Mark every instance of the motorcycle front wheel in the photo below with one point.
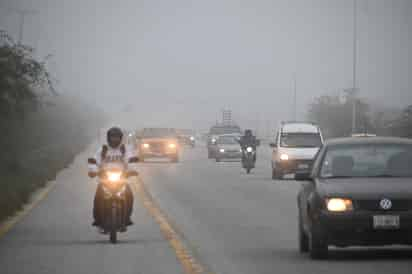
(113, 230)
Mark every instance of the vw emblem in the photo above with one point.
(385, 204)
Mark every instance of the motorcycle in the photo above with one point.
(248, 160)
(113, 177)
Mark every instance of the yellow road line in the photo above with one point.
(37, 197)
(189, 263)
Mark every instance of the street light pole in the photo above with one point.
(294, 97)
(22, 14)
(354, 89)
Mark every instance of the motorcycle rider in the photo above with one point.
(113, 151)
(248, 140)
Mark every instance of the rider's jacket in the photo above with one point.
(106, 154)
(248, 141)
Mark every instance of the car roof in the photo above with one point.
(369, 140)
(300, 128)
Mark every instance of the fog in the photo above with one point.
(178, 63)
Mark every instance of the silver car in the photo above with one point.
(228, 147)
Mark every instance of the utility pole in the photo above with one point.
(354, 89)
(294, 97)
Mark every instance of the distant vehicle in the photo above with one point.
(187, 138)
(228, 148)
(248, 160)
(359, 192)
(215, 132)
(158, 143)
(295, 146)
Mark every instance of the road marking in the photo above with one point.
(35, 199)
(189, 263)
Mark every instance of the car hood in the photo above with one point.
(165, 139)
(366, 188)
(299, 153)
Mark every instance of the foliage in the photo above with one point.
(335, 116)
(402, 126)
(37, 142)
(20, 75)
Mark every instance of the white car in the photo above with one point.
(296, 145)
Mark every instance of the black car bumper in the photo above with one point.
(358, 229)
(291, 166)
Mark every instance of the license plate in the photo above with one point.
(303, 166)
(386, 222)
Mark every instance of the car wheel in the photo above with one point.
(303, 238)
(273, 174)
(277, 174)
(318, 245)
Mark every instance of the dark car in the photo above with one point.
(359, 193)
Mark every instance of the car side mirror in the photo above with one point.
(92, 161)
(302, 176)
(133, 160)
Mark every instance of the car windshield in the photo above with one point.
(158, 133)
(383, 160)
(300, 140)
(227, 140)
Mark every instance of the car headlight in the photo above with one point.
(172, 145)
(339, 205)
(249, 149)
(114, 176)
(192, 138)
(213, 140)
(146, 145)
(284, 157)
(222, 150)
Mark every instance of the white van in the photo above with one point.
(295, 146)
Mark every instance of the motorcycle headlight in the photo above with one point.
(192, 138)
(284, 157)
(249, 149)
(173, 146)
(146, 145)
(114, 176)
(222, 150)
(213, 141)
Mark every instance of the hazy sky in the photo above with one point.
(178, 62)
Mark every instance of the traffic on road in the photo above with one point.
(205, 137)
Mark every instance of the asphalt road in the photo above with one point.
(232, 222)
